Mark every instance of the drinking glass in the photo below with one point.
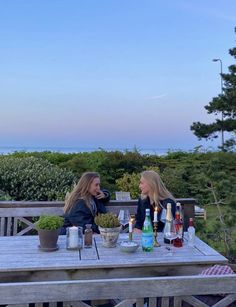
(124, 217)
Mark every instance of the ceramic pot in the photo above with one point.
(109, 236)
(48, 239)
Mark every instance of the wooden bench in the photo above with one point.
(17, 217)
(130, 290)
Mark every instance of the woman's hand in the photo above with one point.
(136, 230)
(100, 195)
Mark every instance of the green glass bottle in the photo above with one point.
(147, 233)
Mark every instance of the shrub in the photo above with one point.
(129, 183)
(33, 178)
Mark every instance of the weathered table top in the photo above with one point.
(22, 260)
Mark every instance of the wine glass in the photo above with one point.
(124, 217)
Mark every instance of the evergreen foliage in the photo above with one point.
(224, 104)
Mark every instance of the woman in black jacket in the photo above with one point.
(154, 195)
(84, 202)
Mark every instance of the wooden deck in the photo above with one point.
(29, 275)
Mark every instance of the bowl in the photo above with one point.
(129, 246)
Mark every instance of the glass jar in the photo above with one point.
(74, 238)
(88, 236)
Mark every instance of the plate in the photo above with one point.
(129, 246)
(48, 249)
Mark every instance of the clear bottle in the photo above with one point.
(191, 233)
(178, 206)
(178, 223)
(169, 232)
(147, 233)
(88, 236)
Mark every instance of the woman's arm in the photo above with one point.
(140, 216)
(104, 195)
(80, 215)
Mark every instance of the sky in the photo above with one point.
(111, 73)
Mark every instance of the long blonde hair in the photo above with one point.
(158, 189)
(81, 191)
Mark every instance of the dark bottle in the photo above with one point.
(88, 236)
(178, 242)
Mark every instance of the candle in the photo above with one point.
(155, 215)
(73, 237)
(130, 226)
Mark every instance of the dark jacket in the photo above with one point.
(80, 214)
(144, 204)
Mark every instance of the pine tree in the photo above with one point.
(224, 104)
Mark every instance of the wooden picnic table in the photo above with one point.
(21, 260)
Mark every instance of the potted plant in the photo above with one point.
(109, 227)
(48, 227)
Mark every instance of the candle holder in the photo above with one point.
(130, 236)
(156, 244)
(74, 238)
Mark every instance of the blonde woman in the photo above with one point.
(84, 202)
(154, 194)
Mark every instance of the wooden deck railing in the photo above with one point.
(177, 289)
(16, 216)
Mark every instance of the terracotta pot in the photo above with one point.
(109, 236)
(48, 239)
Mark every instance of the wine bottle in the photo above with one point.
(191, 233)
(169, 232)
(147, 233)
(178, 242)
(178, 205)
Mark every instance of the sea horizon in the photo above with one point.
(4, 150)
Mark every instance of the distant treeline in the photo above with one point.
(185, 174)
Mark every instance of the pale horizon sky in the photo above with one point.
(111, 74)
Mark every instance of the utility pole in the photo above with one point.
(222, 115)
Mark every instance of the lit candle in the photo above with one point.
(130, 226)
(155, 215)
(73, 237)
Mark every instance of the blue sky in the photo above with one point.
(110, 73)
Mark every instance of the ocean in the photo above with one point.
(11, 149)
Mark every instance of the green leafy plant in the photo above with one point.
(49, 222)
(30, 178)
(107, 220)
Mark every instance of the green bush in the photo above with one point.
(49, 222)
(129, 183)
(107, 220)
(33, 178)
